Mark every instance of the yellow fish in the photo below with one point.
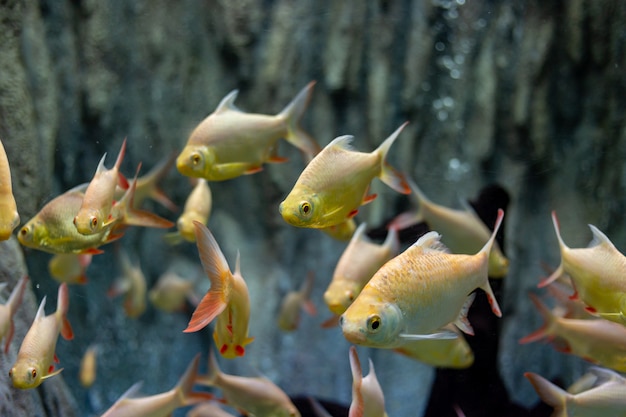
(227, 299)
(132, 283)
(170, 292)
(160, 405)
(440, 353)
(417, 293)
(230, 143)
(358, 263)
(69, 267)
(7, 328)
(9, 217)
(462, 231)
(367, 395)
(598, 341)
(87, 371)
(197, 208)
(93, 214)
(342, 231)
(257, 396)
(293, 302)
(597, 273)
(333, 186)
(35, 358)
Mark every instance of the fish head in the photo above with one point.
(301, 207)
(195, 161)
(185, 227)
(33, 234)
(26, 374)
(340, 294)
(372, 323)
(89, 221)
(9, 220)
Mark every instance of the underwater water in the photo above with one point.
(510, 105)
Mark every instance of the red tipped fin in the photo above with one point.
(56, 358)
(352, 213)
(93, 251)
(122, 181)
(253, 170)
(9, 336)
(369, 198)
(239, 350)
(277, 159)
(210, 307)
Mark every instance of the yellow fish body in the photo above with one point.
(87, 371)
(7, 328)
(131, 283)
(358, 263)
(293, 302)
(170, 292)
(417, 293)
(227, 299)
(35, 359)
(9, 217)
(597, 273)
(367, 395)
(69, 267)
(197, 208)
(333, 186)
(230, 143)
(440, 353)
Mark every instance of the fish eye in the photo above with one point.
(94, 222)
(24, 231)
(373, 323)
(306, 208)
(33, 373)
(350, 296)
(196, 158)
(340, 321)
(11, 373)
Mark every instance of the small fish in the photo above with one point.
(597, 273)
(462, 231)
(440, 353)
(131, 283)
(7, 328)
(197, 208)
(342, 231)
(160, 405)
(208, 409)
(36, 357)
(230, 142)
(333, 186)
(94, 211)
(227, 299)
(293, 302)
(9, 217)
(417, 293)
(358, 263)
(256, 396)
(170, 293)
(607, 399)
(598, 341)
(147, 185)
(69, 267)
(367, 395)
(87, 371)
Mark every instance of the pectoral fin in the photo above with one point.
(50, 375)
(440, 335)
(462, 322)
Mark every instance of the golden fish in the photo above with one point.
(597, 273)
(36, 356)
(342, 231)
(358, 263)
(132, 283)
(93, 214)
(69, 267)
(197, 208)
(230, 143)
(160, 405)
(257, 396)
(7, 328)
(440, 353)
(227, 299)
(87, 371)
(367, 395)
(293, 302)
(170, 292)
(335, 184)
(417, 293)
(598, 341)
(9, 217)
(462, 231)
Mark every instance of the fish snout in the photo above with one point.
(280, 207)
(351, 332)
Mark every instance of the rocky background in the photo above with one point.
(526, 94)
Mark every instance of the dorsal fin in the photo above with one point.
(599, 238)
(342, 142)
(228, 103)
(431, 242)
(41, 313)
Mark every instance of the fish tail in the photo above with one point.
(292, 115)
(63, 305)
(216, 269)
(549, 393)
(547, 328)
(388, 174)
(392, 241)
(357, 407)
(559, 271)
(185, 385)
(213, 372)
(155, 175)
(485, 251)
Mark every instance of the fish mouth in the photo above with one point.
(352, 333)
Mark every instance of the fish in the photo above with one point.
(440, 353)
(9, 217)
(131, 283)
(596, 273)
(69, 267)
(462, 231)
(87, 370)
(197, 208)
(367, 395)
(357, 264)
(7, 310)
(342, 231)
(607, 399)
(415, 294)
(147, 185)
(598, 341)
(93, 214)
(36, 357)
(256, 396)
(170, 293)
(160, 405)
(333, 186)
(227, 299)
(293, 302)
(208, 409)
(230, 143)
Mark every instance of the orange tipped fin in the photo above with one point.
(210, 307)
(253, 170)
(63, 305)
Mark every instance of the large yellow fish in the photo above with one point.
(597, 273)
(36, 357)
(462, 231)
(293, 302)
(197, 208)
(335, 184)
(440, 353)
(367, 395)
(7, 328)
(69, 267)
(255, 396)
(9, 217)
(358, 263)
(417, 293)
(227, 299)
(131, 283)
(171, 291)
(230, 143)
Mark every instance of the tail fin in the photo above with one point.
(292, 114)
(389, 175)
(153, 177)
(213, 372)
(546, 329)
(187, 381)
(63, 305)
(549, 393)
(559, 271)
(486, 250)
